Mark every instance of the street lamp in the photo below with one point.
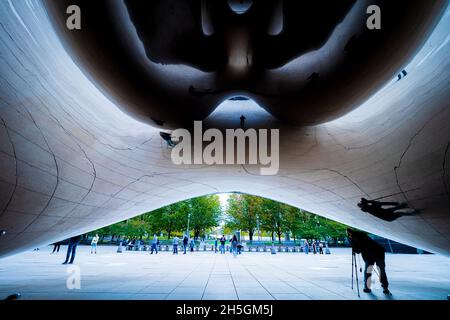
(187, 230)
(257, 225)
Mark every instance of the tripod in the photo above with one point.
(355, 270)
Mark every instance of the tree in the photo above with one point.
(168, 218)
(293, 218)
(242, 212)
(272, 217)
(204, 213)
(331, 229)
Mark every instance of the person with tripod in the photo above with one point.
(372, 254)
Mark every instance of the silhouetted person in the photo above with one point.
(185, 243)
(320, 248)
(222, 244)
(234, 243)
(56, 247)
(372, 254)
(242, 118)
(389, 214)
(72, 249)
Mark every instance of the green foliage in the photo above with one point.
(277, 218)
(167, 219)
(272, 217)
(204, 214)
(243, 213)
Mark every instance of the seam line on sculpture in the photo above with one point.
(16, 168)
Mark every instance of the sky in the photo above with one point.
(224, 198)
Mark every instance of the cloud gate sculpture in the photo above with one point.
(81, 110)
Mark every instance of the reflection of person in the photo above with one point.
(72, 249)
(56, 247)
(372, 254)
(242, 118)
(94, 244)
(389, 214)
(192, 245)
(216, 242)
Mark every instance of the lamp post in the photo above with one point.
(187, 230)
(257, 225)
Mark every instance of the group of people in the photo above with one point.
(188, 244)
(315, 246)
(372, 253)
(235, 245)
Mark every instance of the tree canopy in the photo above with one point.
(243, 212)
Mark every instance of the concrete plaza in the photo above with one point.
(209, 276)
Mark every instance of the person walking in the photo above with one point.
(306, 247)
(314, 248)
(234, 243)
(72, 249)
(216, 242)
(222, 244)
(155, 243)
(185, 243)
(192, 245)
(175, 242)
(56, 247)
(94, 244)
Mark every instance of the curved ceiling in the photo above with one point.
(72, 161)
(306, 62)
